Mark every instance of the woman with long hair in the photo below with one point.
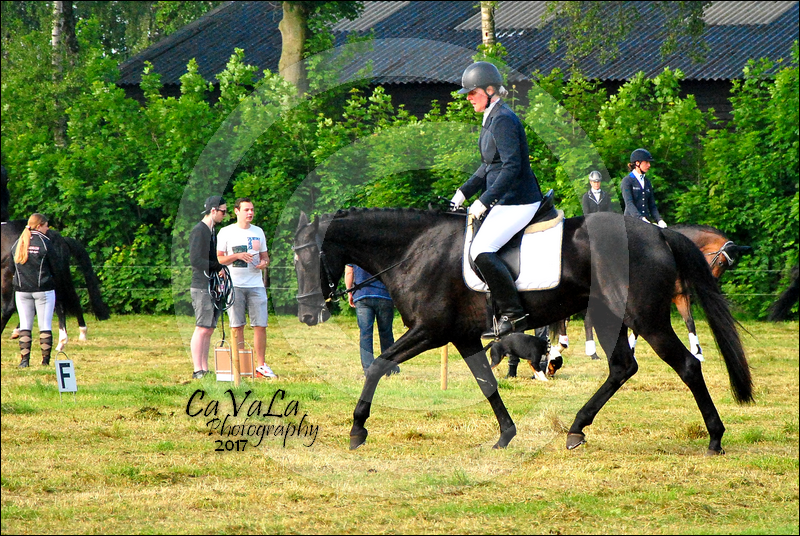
(34, 287)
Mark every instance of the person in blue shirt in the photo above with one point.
(637, 192)
(372, 303)
(510, 194)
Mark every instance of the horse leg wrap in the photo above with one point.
(25, 347)
(63, 339)
(46, 344)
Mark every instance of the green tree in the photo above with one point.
(300, 20)
(749, 184)
(596, 29)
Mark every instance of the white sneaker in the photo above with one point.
(264, 371)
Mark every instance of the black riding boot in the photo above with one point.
(46, 344)
(504, 292)
(25, 347)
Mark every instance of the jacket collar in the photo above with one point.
(491, 115)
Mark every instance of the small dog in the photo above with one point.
(521, 346)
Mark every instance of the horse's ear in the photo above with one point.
(745, 250)
(303, 220)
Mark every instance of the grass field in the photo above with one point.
(123, 455)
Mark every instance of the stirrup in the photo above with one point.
(505, 326)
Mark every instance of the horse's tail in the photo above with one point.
(695, 274)
(781, 308)
(92, 282)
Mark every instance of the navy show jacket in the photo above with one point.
(639, 201)
(505, 176)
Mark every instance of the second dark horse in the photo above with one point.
(419, 256)
(67, 299)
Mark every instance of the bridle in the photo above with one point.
(334, 295)
(309, 297)
(722, 252)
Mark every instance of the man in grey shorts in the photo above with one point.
(203, 258)
(243, 246)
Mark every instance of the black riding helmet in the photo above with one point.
(479, 75)
(641, 155)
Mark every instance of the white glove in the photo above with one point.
(662, 224)
(477, 209)
(645, 219)
(458, 199)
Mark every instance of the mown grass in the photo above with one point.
(123, 455)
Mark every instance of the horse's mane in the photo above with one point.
(432, 214)
(697, 227)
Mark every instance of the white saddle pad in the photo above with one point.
(540, 258)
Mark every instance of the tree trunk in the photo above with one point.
(64, 41)
(65, 47)
(487, 23)
(294, 29)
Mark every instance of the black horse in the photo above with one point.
(67, 299)
(782, 307)
(418, 255)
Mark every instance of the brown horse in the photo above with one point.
(721, 254)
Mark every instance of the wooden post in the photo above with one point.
(444, 367)
(235, 357)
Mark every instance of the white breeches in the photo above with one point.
(501, 223)
(39, 304)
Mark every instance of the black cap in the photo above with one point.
(212, 202)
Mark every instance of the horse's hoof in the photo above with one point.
(575, 440)
(712, 452)
(505, 438)
(594, 356)
(15, 334)
(357, 440)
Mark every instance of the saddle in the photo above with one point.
(546, 217)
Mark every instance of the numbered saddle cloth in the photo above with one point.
(534, 260)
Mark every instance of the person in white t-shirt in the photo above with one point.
(243, 247)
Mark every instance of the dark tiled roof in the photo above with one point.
(421, 42)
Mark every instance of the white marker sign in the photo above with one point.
(65, 376)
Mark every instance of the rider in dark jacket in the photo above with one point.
(637, 192)
(34, 287)
(510, 193)
(595, 200)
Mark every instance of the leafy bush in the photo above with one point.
(128, 167)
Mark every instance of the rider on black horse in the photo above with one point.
(510, 192)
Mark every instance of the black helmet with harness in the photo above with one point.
(641, 155)
(480, 75)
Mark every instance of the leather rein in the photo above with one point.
(335, 295)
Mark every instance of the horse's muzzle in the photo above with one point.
(310, 319)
